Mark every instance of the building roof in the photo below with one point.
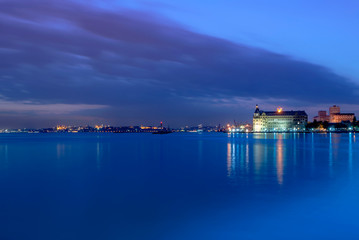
(343, 114)
(285, 113)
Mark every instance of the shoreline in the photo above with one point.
(306, 132)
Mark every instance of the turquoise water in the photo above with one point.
(179, 186)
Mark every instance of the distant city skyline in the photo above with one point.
(120, 63)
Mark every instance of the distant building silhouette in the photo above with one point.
(334, 116)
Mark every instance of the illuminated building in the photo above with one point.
(98, 127)
(342, 117)
(61, 128)
(279, 121)
(336, 117)
(322, 117)
(241, 128)
(334, 110)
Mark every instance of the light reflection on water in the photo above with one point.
(283, 150)
(350, 151)
(279, 147)
(4, 157)
(195, 186)
(98, 155)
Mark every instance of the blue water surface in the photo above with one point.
(179, 186)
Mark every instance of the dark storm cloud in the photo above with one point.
(138, 64)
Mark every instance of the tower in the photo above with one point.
(334, 110)
(257, 122)
(256, 112)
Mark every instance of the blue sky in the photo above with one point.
(322, 32)
(181, 62)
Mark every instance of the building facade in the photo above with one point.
(322, 117)
(334, 110)
(342, 117)
(279, 121)
(334, 116)
(337, 117)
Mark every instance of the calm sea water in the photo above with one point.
(179, 186)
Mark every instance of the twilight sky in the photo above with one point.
(182, 62)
